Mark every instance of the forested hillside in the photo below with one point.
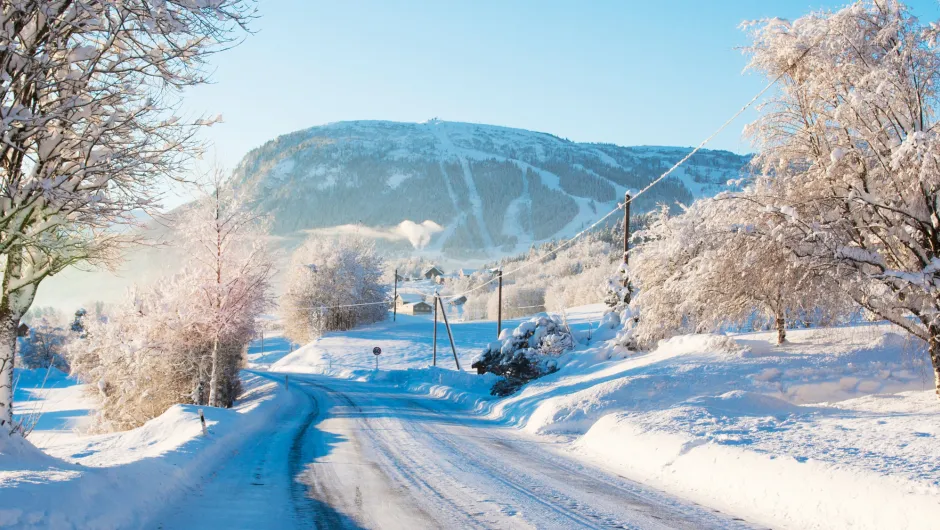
(488, 187)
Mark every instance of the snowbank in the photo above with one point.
(864, 463)
(837, 428)
(120, 480)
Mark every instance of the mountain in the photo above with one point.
(465, 190)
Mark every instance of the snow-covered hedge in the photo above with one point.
(525, 353)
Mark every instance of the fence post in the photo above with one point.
(395, 299)
(202, 420)
(434, 354)
(449, 334)
(286, 383)
(499, 312)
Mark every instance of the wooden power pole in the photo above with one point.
(449, 334)
(395, 299)
(626, 246)
(499, 312)
(434, 354)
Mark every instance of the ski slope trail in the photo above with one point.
(476, 203)
(366, 455)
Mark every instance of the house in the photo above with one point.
(412, 304)
(461, 300)
(433, 273)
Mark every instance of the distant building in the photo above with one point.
(412, 304)
(458, 301)
(433, 272)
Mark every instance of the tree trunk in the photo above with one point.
(214, 377)
(8, 325)
(933, 346)
(781, 329)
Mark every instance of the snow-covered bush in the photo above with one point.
(333, 284)
(525, 353)
(475, 308)
(156, 349)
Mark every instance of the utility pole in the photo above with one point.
(626, 247)
(395, 299)
(499, 312)
(434, 354)
(449, 334)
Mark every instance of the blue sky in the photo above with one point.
(625, 72)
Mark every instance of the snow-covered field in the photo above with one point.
(837, 428)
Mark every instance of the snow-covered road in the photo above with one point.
(351, 454)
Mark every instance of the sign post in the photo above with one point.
(376, 351)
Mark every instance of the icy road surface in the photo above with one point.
(365, 455)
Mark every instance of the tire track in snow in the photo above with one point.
(404, 467)
(446, 460)
(661, 509)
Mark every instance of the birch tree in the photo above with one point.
(849, 155)
(226, 244)
(88, 93)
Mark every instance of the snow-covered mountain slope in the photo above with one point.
(490, 189)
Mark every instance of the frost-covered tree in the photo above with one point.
(164, 345)
(88, 91)
(326, 280)
(518, 301)
(709, 268)
(225, 242)
(849, 155)
(183, 339)
(44, 346)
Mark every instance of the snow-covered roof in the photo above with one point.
(411, 298)
(434, 268)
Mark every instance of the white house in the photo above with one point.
(412, 304)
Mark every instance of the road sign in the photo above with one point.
(376, 351)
